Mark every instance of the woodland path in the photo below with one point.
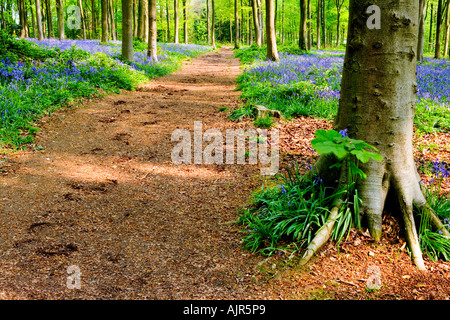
(99, 191)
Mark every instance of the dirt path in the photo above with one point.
(101, 193)
(104, 195)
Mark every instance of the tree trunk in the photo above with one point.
(185, 22)
(83, 20)
(60, 14)
(323, 20)
(213, 27)
(271, 39)
(256, 23)
(309, 35)
(168, 20)
(236, 24)
(437, 48)
(153, 32)
(303, 31)
(176, 20)
(23, 19)
(447, 29)
(104, 20)
(377, 105)
(421, 36)
(49, 19)
(127, 30)
(40, 34)
(208, 24)
(431, 28)
(318, 22)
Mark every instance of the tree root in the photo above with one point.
(322, 236)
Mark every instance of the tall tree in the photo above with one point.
(339, 4)
(309, 35)
(378, 107)
(61, 21)
(104, 20)
(127, 30)
(208, 23)
(153, 32)
(437, 47)
(318, 22)
(236, 24)
(213, 25)
(421, 36)
(256, 22)
(303, 32)
(185, 21)
(83, 20)
(176, 22)
(323, 20)
(40, 34)
(49, 19)
(447, 30)
(271, 38)
(23, 19)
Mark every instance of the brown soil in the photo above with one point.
(104, 195)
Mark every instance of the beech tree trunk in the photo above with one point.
(437, 48)
(421, 40)
(60, 14)
(127, 30)
(236, 24)
(303, 31)
(377, 105)
(185, 21)
(40, 34)
(176, 20)
(153, 33)
(83, 20)
(213, 27)
(49, 19)
(256, 23)
(318, 10)
(104, 20)
(271, 39)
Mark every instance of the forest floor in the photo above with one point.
(99, 190)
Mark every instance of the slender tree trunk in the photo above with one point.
(49, 19)
(437, 48)
(127, 30)
(303, 31)
(421, 36)
(213, 23)
(324, 24)
(378, 107)
(318, 23)
(271, 39)
(176, 21)
(208, 23)
(185, 21)
(256, 23)
(60, 14)
(309, 35)
(447, 29)
(168, 20)
(83, 20)
(153, 33)
(430, 44)
(236, 24)
(23, 19)
(40, 33)
(94, 19)
(104, 20)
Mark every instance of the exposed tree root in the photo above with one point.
(321, 237)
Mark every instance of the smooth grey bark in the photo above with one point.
(377, 105)
(308, 25)
(271, 39)
(83, 20)
(185, 21)
(318, 22)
